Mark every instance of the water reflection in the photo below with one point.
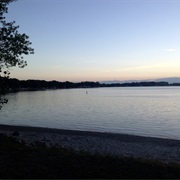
(142, 111)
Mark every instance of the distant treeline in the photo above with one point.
(20, 85)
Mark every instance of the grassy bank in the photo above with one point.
(20, 161)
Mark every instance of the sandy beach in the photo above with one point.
(165, 150)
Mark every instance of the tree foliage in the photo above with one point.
(13, 46)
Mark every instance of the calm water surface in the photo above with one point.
(147, 111)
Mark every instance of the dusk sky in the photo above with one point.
(96, 40)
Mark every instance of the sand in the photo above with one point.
(165, 150)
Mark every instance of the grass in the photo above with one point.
(20, 161)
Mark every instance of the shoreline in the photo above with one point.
(165, 150)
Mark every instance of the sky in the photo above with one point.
(97, 40)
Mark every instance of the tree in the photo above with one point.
(13, 46)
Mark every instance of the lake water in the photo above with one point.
(146, 111)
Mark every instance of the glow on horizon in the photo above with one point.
(99, 40)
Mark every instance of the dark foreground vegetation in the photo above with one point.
(20, 161)
(19, 85)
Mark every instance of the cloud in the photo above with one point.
(139, 67)
(56, 67)
(90, 61)
(171, 50)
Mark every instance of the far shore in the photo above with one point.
(165, 150)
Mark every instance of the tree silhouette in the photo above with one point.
(13, 46)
